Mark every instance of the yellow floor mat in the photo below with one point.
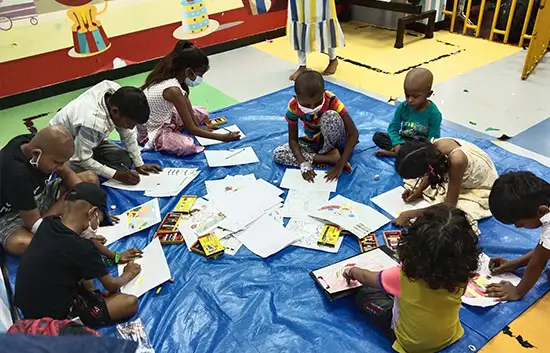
(532, 326)
(376, 66)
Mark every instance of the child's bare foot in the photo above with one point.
(384, 153)
(331, 68)
(297, 73)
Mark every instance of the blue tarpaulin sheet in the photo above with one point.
(248, 304)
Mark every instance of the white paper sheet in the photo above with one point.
(231, 245)
(393, 203)
(245, 206)
(331, 277)
(154, 270)
(299, 203)
(169, 182)
(354, 217)
(227, 158)
(266, 237)
(476, 287)
(209, 142)
(228, 185)
(308, 231)
(293, 179)
(133, 221)
(202, 221)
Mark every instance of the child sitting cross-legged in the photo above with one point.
(522, 199)
(330, 133)
(55, 275)
(417, 118)
(416, 305)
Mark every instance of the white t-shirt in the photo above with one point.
(88, 120)
(545, 231)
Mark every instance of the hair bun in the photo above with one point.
(184, 44)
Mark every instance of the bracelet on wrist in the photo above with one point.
(306, 167)
(117, 257)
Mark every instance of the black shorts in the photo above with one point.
(90, 307)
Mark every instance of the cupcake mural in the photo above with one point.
(196, 24)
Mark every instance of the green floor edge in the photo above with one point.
(12, 118)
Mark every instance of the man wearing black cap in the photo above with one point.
(55, 275)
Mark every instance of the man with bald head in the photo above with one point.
(33, 175)
(417, 118)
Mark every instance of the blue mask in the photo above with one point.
(195, 83)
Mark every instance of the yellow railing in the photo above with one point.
(539, 41)
(476, 26)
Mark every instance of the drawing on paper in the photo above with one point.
(333, 281)
(142, 216)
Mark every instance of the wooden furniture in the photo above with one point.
(412, 8)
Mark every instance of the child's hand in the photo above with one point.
(132, 269)
(503, 291)
(149, 168)
(404, 219)
(334, 173)
(130, 177)
(346, 273)
(231, 136)
(409, 196)
(129, 255)
(499, 265)
(114, 218)
(309, 176)
(100, 239)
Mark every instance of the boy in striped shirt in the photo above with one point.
(329, 132)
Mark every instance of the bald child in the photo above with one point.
(417, 118)
(33, 175)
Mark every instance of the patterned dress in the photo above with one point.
(313, 26)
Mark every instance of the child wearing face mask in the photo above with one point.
(417, 118)
(34, 175)
(330, 133)
(56, 273)
(113, 257)
(167, 91)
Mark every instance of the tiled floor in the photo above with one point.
(477, 87)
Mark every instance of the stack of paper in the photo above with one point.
(224, 130)
(266, 236)
(237, 207)
(154, 270)
(246, 205)
(132, 221)
(354, 217)
(170, 182)
(230, 184)
(228, 158)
